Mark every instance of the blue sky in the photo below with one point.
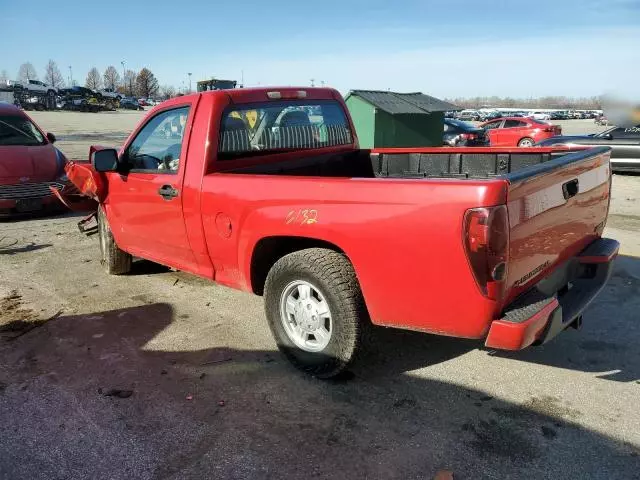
(445, 48)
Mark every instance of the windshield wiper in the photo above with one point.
(21, 132)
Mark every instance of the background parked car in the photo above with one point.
(461, 134)
(518, 131)
(472, 115)
(624, 143)
(558, 115)
(544, 116)
(600, 119)
(486, 116)
(36, 86)
(130, 104)
(108, 93)
(30, 165)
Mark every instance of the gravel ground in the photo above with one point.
(159, 374)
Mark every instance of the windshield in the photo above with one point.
(265, 128)
(18, 130)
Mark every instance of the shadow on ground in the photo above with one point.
(218, 412)
(12, 248)
(59, 212)
(608, 342)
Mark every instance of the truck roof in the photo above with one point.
(260, 94)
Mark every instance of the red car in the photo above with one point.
(519, 131)
(29, 165)
(470, 242)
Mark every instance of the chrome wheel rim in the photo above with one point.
(305, 316)
(526, 143)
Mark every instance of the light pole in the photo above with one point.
(70, 77)
(189, 81)
(124, 85)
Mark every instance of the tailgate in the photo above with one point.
(555, 210)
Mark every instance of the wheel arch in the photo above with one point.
(269, 250)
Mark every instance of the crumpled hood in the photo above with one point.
(30, 164)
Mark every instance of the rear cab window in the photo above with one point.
(282, 126)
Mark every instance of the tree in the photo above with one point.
(4, 76)
(129, 82)
(94, 82)
(111, 78)
(146, 83)
(52, 75)
(27, 72)
(167, 91)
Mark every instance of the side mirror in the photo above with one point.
(51, 137)
(105, 160)
(607, 136)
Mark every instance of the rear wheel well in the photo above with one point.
(271, 249)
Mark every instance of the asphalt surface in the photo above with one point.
(159, 374)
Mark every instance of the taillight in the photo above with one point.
(468, 136)
(486, 241)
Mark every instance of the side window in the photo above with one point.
(626, 132)
(492, 125)
(514, 124)
(157, 147)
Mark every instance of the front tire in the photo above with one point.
(526, 142)
(316, 311)
(114, 260)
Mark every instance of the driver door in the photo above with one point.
(144, 203)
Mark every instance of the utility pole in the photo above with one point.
(312, 82)
(189, 81)
(124, 85)
(70, 77)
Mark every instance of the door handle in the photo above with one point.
(570, 189)
(167, 192)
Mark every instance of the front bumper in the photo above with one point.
(557, 302)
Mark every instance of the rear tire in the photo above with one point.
(333, 288)
(114, 260)
(526, 142)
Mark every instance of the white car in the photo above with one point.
(539, 116)
(36, 86)
(108, 93)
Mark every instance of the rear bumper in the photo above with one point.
(556, 302)
(625, 165)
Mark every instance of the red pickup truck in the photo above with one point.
(267, 190)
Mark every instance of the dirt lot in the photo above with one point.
(159, 374)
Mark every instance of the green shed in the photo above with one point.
(391, 119)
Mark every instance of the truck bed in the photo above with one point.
(460, 163)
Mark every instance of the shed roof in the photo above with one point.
(396, 103)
